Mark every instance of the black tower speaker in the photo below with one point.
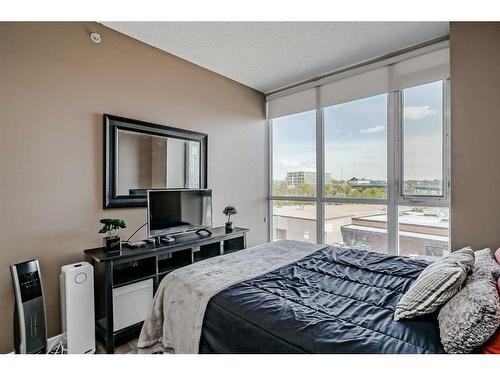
(30, 333)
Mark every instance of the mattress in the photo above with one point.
(335, 300)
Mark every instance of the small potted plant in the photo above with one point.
(229, 211)
(111, 226)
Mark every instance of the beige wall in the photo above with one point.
(54, 86)
(475, 134)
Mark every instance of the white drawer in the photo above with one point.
(131, 303)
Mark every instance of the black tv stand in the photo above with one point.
(203, 230)
(113, 270)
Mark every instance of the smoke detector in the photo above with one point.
(95, 37)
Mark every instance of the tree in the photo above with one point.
(305, 190)
(334, 188)
(280, 188)
(372, 193)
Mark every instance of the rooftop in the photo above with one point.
(332, 211)
(375, 213)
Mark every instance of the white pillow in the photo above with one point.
(437, 283)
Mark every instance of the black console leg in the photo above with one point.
(108, 295)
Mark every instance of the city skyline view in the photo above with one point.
(356, 138)
(355, 167)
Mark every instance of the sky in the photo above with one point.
(356, 138)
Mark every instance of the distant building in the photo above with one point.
(354, 182)
(422, 232)
(434, 187)
(294, 179)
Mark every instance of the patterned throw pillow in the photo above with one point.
(472, 316)
(437, 283)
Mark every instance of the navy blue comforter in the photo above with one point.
(332, 301)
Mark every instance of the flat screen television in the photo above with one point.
(175, 211)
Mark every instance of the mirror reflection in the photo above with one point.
(148, 161)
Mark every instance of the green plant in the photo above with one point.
(111, 226)
(229, 211)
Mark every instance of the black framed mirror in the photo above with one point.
(141, 156)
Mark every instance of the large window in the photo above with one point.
(423, 140)
(356, 149)
(294, 155)
(383, 173)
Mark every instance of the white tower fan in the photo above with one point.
(77, 308)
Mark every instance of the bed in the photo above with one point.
(326, 300)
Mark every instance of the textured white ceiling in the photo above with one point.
(271, 55)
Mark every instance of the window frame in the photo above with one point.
(439, 200)
(395, 183)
